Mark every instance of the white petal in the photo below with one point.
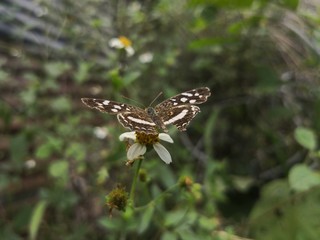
(130, 51)
(165, 137)
(127, 135)
(136, 150)
(115, 43)
(162, 152)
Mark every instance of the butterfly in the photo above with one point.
(178, 110)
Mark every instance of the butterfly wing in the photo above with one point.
(179, 110)
(129, 116)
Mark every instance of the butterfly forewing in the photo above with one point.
(178, 110)
(129, 116)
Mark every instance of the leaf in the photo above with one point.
(36, 218)
(302, 178)
(280, 214)
(61, 104)
(306, 137)
(44, 151)
(19, 149)
(209, 127)
(268, 80)
(175, 217)
(110, 223)
(59, 169)
(82, 72)
(208, 42)
(146, 218)
(55, 69)
(291, 4)
(169, 236)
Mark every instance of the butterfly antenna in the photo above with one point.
(132, 100)
(160, 93)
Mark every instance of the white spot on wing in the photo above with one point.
(187, 94)
(106, 102)
(114, 110)
(141, 121)
(117, 107)
(192, 101)
(184, 99)
(177, 117)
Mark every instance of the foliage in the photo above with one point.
(248, 165)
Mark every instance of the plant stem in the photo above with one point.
(134, 182)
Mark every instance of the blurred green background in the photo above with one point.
(251, 156)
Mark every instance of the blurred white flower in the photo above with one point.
(100, 132)
(134, 7)
(140, 141)
(122, 43)
(31, 163)
(146, 57)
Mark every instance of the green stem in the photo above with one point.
(134, 182)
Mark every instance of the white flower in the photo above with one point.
(122, 43)
(100, 132)
(141, 140)
(146, 57)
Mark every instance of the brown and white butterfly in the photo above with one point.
(178, 110)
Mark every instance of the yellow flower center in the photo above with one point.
(125, 41)
(147, 139)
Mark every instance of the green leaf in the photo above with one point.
(186, 233)
(268, 81)
(19, 149)
(306, 137)
(55, 69)
(208, 42)
(130, 77)
(76, 151)
(82, 73)
(233, 4)
(36, 218)
(111, 224)
(47, 148)
(302, 178)
(146, 219)
(169, 236)
(4, 76)
(175, 217)
(44, 151)
(102, 175)
(61, 104)
(287, 216)
(210, 124)
(271, 195)
(59, 169)
(291, 4)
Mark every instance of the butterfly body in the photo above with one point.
(178, 110)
